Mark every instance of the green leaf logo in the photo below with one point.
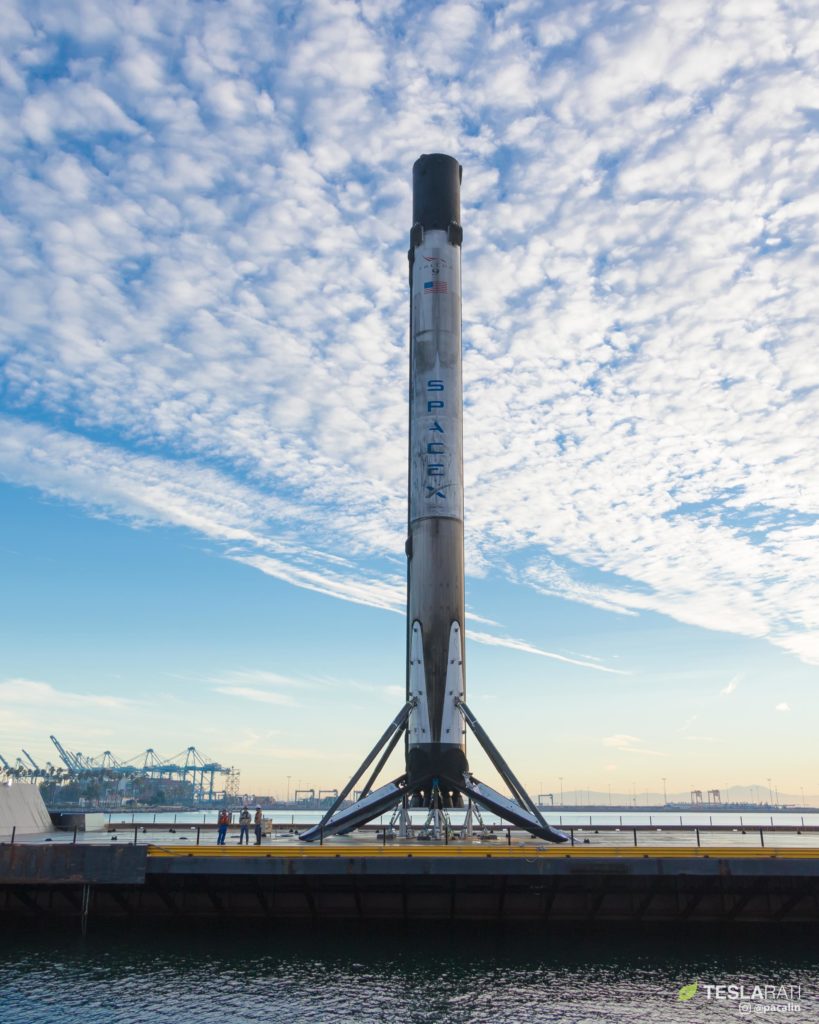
(687, 992)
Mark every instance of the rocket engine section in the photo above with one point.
(436, 740)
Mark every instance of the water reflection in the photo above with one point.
(340, 975)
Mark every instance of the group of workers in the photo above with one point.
(244, 826)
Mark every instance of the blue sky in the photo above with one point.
(203, 365)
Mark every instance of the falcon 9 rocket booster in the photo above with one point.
(436, 742)
(435, 714)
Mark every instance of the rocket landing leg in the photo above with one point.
(519, 809)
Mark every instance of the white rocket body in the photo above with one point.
(435, 579)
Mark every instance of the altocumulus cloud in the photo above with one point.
(203, 317)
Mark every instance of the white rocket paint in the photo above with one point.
(453, 729)
(436, 420)
(419, 728)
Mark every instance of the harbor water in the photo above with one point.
(419, 975)
(556, 816)
(603, 828)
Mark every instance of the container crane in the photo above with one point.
(69, 760)
(34, 764)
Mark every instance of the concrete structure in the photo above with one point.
(82, 821)
(22, 810)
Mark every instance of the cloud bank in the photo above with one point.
(203, 322)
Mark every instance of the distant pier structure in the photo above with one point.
(189, 777)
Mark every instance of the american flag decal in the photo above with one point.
(435, 287)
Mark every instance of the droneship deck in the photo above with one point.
(409, 881)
